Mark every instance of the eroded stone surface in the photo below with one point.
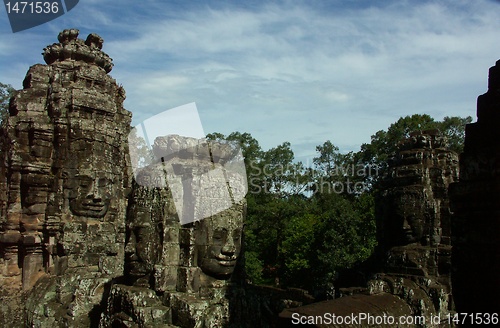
(64, 185)
(73, 221)
(414, 225)
(82, 245)
(414, 237)
(186, 268)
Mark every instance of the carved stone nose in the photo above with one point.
(130, 245)
(229, 248)
(94, 194)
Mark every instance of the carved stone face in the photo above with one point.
(143, 244)
(413, 228)
(90, 195)
(142, 249)
(409, 217)
(218, 242)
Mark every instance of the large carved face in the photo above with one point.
(218, 242)
(90, 195)
(409, 219)
(413, 228)
(143, 244)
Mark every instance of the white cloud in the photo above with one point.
(294, 71)
(159, 82)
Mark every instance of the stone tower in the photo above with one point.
(63, 184)
(82, 243)
(475, 200)
(414, 224)
(180, 274)
(414, 235)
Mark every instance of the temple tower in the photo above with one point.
(476, 221)
(64, 180)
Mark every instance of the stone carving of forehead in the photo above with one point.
(229, 220)
(407, 201)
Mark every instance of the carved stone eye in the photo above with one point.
(237, 235)
(219, 234)
(85, 182)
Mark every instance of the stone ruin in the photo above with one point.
(178, 274)
(82, 242)
(414, 225)
(475, 203)
(64, 185)
(414, 238)
(87, 242)
(424, 210)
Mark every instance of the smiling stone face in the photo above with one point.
(218, 243)
(90, 195)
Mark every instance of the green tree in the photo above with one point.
(344, 235)
(453, 127)
(336, 172)
(297, 250)
(384, 143)
(250, 147)
(6, 91)
(281, 175)
(290, 232)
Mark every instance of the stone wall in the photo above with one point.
(64, 181)
(84, 244)
(476, 223)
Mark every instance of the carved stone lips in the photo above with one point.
(408, 232)
(134, 264)
(93, 206)
(226, 260)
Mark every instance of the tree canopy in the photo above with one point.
(6, 91)
(317, 221)
(384, 142)
(310, 221)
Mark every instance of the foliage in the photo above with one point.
(6, 91)
(297, 250)
(336, 172)
(454, 129)
(253, 267)
(345, 234)
(384, 144)
(140, 154)
(316, 221)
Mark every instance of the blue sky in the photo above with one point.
(297, 71)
